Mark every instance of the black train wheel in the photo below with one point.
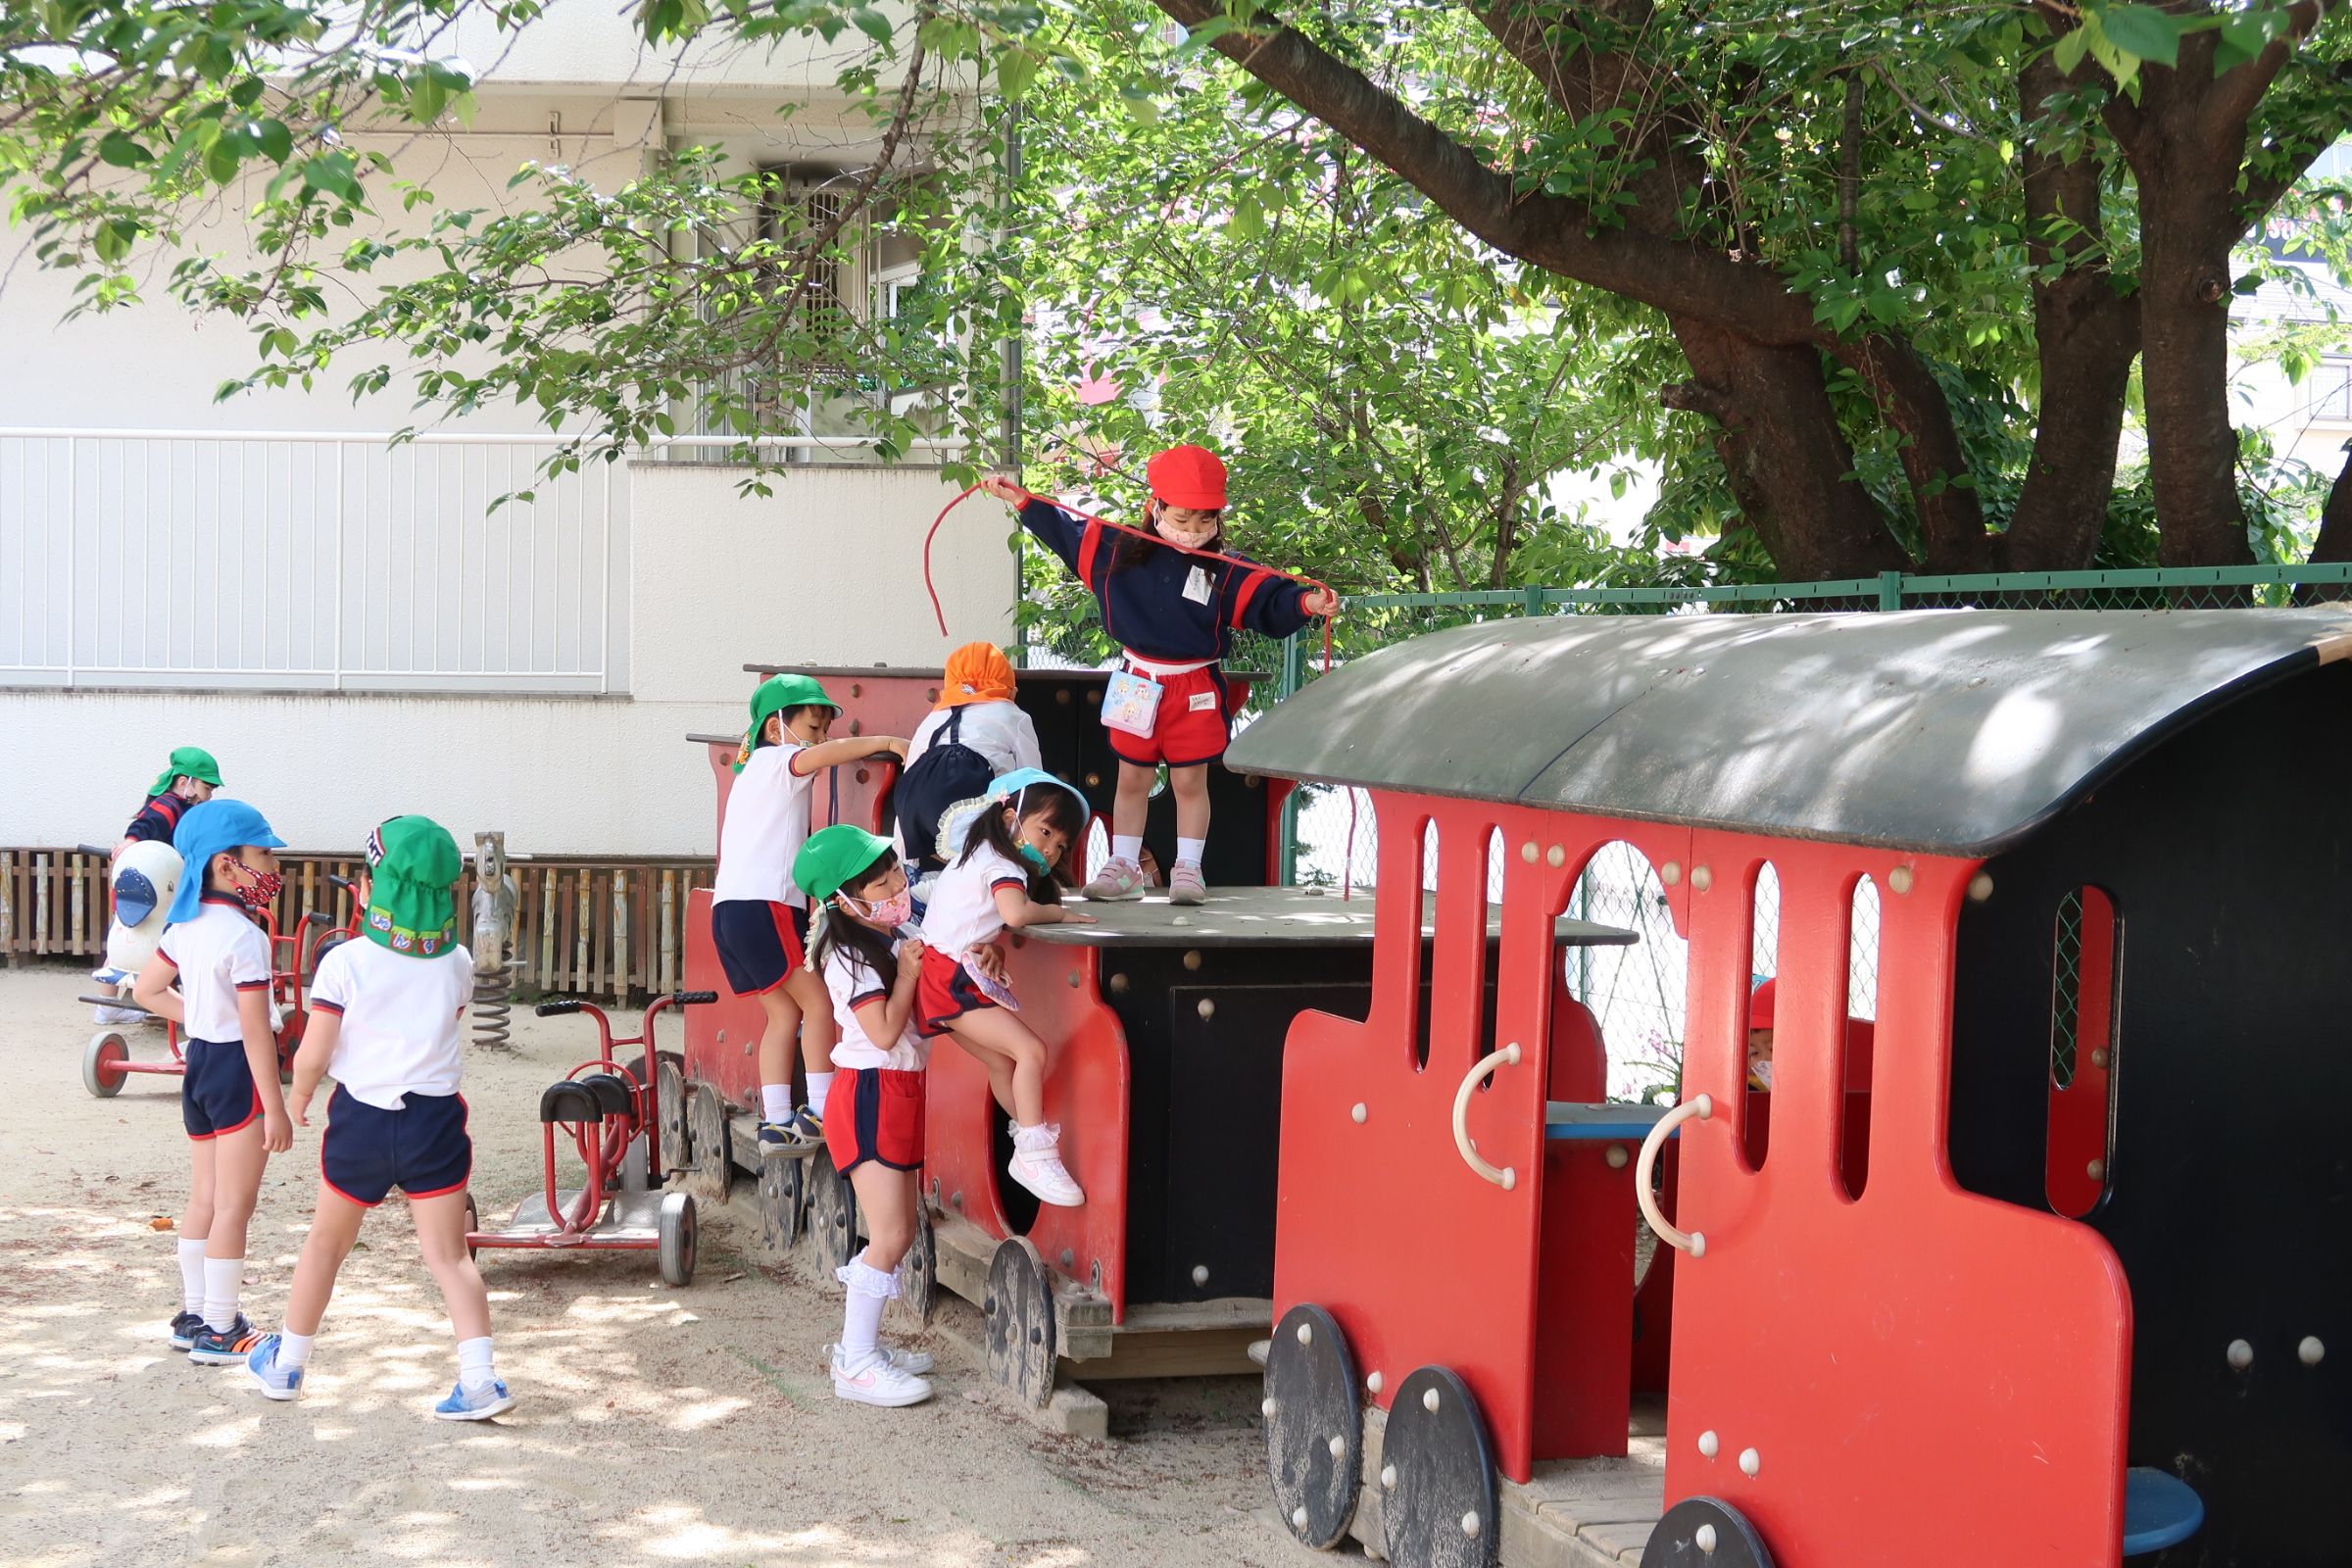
(1020, 1322)
(780, 1209)
(1439, 1514)
(832, 1213)
(1315, 1429)
(1705, 1532)
(918, 1274)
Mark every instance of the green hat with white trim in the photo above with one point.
(773, 696)
(833, 856)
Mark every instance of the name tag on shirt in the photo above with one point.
(1202, 702)
(1197, 586)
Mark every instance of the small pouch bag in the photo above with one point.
(1131, 703)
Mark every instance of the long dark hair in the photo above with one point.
(1137, 548)
(843, 929)
(1061, 809)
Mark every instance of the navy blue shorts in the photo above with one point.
(422, 1149)
(217, 1094)
(759, 943)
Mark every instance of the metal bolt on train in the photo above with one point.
(2045, 1261)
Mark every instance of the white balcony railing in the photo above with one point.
(308, 561)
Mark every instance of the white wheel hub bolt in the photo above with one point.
(1388, 1476)
(1469, 1524)
(1704, 1539)
(1267, 1409)
(1429, 1401)
(1709, 1444)
(1339, 1447)
(1750, 1461)
(1299, 1517)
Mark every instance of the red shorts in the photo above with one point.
(1190, 727)
(943, 993)
(874, 1113)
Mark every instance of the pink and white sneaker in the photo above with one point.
(1186, 886)
(1036, 1164)
(1118, 881)
(873, 1378)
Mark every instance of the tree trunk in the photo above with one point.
(2086, 335)
(1951, 520)
(2335, 542)
(1791, 468)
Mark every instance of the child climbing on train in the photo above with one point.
(385, 1024)
(759, 915)
(1174, 612)
(974, 734)
(1759, 1034)
(1002, 876)
(228, 1098)
(871, 958)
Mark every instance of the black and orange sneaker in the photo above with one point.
(216, 1348)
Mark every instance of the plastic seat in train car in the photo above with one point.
(1864, 1374)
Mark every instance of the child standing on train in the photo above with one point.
(1175, 612)
(228, 1098)
(1002, 877)
(384, 1022)
(870, 958)
(759, 917)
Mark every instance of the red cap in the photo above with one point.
(1759, 1003)
(1187, 476)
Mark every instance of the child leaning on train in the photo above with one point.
(870, 956)
(1003, 875)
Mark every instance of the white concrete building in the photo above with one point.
(346, 625)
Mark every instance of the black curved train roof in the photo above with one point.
(1951, 732)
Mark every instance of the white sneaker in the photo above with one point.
(915, 1361)
(1041, 1171)
(872, 1380)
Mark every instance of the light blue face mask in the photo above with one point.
(1035, 857)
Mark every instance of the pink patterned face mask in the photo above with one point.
(893, 912)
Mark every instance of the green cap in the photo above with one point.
(412, 861)
(835, 856)
(188, 762)
(773, 696)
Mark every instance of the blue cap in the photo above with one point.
(204, 832)
(1010, 784)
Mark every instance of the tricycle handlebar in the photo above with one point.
(690, 999)
(549, 1009)
(93, 849)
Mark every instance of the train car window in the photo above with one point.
(1764, 967)
(2086, 946)
(1861, 1028)
(1635, 992)
(1424, 952)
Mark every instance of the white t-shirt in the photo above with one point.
(853, 981)
(219, 954)
(999, 731)
(400, 1020)
(962, 912)
(767, 823)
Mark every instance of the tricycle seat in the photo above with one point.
(590, 1099)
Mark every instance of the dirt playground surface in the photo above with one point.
(655, 1426)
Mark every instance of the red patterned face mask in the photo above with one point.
(262, 891)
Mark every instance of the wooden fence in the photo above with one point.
(585, 927)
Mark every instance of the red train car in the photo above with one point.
(2044, 1268)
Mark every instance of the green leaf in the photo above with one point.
(873, 23)
(2068, 54)
(121, 151)
(2145, 32)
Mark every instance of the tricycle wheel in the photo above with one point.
(1314, 1431)
(1439, 1512)
(677, 1148)
(677, 1239)
(102, 1071)
(832, 1212)
(1020, 1322)
(713, 1166)
(473, 1222)
(780, 1189)
(1705, 1530)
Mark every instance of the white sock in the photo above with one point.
(776, 1103)
(191, 1273)
(820, 1085)
(1188, 851)
(223, 1278)
(294, 1349)
(474, 1363)
(861, 1325)
(1128, 848)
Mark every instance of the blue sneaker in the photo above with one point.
(183, 1328)
(476, 1404)
(795, 1139)
(279, 1383)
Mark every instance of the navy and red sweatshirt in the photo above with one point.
(159, 819)
(1144, 607)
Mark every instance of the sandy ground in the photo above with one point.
(655, 1426)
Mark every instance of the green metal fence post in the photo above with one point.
(1535, 600)
(1890, 590)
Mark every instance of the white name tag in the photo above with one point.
(1202, 702)
(1197, 586)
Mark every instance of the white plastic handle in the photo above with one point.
(1507, 1178)
(1692, 1243)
